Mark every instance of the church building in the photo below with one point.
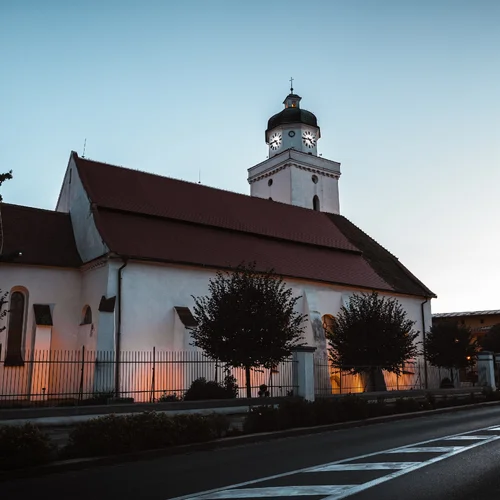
(115, 265)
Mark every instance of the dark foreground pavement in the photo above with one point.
(471, 472)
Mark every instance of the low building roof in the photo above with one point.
(491, 312)
(42, 237)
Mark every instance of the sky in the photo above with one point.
(407, 95)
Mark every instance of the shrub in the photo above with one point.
(295, 412)
(23, 446)
(352, 407)
(168, 398)
(326, 411)
(261, 419)
(406, 405)
(263, 391)
(201, 389)
(446, 383)
(113, 434)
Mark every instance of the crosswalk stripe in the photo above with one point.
(427, 449)
(457, 438)
(337, 492)
(363, 466)
(278, 491)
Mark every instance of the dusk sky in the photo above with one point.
(407, 95)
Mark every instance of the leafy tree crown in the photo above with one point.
(372, 331)
(450, 345)
(248, 318)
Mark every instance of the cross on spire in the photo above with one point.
(291, 85)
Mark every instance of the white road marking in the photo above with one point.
(427, 449)
(278, 491)
(351, 490)
(364, 466)
(388, 477)
(453, 438)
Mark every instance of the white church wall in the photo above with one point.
(74, 199)
(60, 288)
(94, 286)
(151, 291)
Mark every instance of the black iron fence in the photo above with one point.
(85, 376)
(414, 375)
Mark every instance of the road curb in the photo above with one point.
(83, 463)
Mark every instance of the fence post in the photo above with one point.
(303, 372)
(486, 370)
(80, 393)
(152, 398)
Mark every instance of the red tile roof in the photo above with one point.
(146, 216)
(167, 240)
(44, 237)
(129, 190)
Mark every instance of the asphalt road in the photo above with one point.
(422, 458)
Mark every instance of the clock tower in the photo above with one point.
(293, 172)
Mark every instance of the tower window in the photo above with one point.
(314, 178)
(270, 182)
(316, 203)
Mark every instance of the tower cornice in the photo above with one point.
(297, 159)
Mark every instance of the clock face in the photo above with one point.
(275, 141)
(309, 139)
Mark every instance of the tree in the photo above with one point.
(247, 320)
(371, 334)
(3, 178)
(491, 341)
(450, 345)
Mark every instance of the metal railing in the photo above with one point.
(332, 380)
(85, 377)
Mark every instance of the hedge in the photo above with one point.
(115, 434)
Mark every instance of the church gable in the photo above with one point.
(74, 199)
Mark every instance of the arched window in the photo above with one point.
(86, 316)
(316, 203)
(15, 333)
(327, 320)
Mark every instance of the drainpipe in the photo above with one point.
(426, 381)
(119, 329)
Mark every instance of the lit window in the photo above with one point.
(327, 320)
